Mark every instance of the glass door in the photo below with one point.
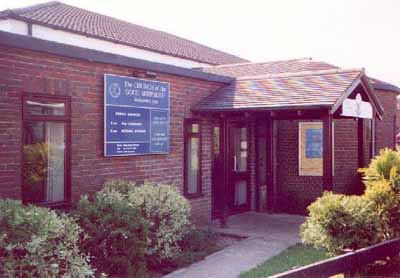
(238, 188)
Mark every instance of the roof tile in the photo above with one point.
(319, 88)
(59, 15)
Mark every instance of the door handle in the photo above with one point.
(234, 163)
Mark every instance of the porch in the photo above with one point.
(274, 139)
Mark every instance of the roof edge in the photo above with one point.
(35, 7)
(300, 73)
(270, 108)
(386, 87)
(17, 14)
(35, 44)
(257, 63)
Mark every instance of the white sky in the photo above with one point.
(347, 33)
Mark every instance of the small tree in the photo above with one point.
(339, 223)
(381, 167)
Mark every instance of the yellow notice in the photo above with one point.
(310, 148)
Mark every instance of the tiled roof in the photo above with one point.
(61, 16)
(381, 85)
(276, 67)
(289, 90)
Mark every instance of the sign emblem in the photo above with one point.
(115, 90)
(358, 104)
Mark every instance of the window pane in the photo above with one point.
(193, 128)
(45, 108)
(44, 159)
(216, 140)
(240, 193)
(262, 161)
(192, 165)
(240, 145)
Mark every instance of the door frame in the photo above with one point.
(233, 176)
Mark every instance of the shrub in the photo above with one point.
(121, 186)
(383, 190)
(168, 213)
(36, 242)
(116, 233)
(386, 203)
(338, 223)
(381, 166)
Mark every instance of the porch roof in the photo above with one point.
(298, 90)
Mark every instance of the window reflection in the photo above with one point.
(45, 108)
(240, 149)
(44, 160)
(193, 164)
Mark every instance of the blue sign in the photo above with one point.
(314, 143)
(136, 116)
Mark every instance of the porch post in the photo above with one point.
(360, 137)
(270, 166)
(225, 158)
(327, 153)
(361, 156)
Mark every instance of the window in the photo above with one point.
(45, 149)
(192, 160)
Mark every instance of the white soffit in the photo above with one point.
(46, 33)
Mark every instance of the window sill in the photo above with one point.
(194, 195)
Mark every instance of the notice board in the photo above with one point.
(136, 116)
(310, 148)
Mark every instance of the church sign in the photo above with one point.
(357, 108)
(136, 116)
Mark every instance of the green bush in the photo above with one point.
(36, 242)
(167, 212)
(381, 166)
(338, 223)
(116, 233)
(382, 182)
(121, 186)
(386, 203)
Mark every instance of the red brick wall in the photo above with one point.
(386, 129)
(295, 192)
(27, 71)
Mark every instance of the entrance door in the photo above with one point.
(238, 170)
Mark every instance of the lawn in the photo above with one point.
(293, 257)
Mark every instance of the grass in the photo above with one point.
(293, 257)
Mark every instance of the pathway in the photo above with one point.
(267, 235)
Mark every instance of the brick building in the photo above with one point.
(241, 135)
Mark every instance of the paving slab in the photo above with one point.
(267, 235)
